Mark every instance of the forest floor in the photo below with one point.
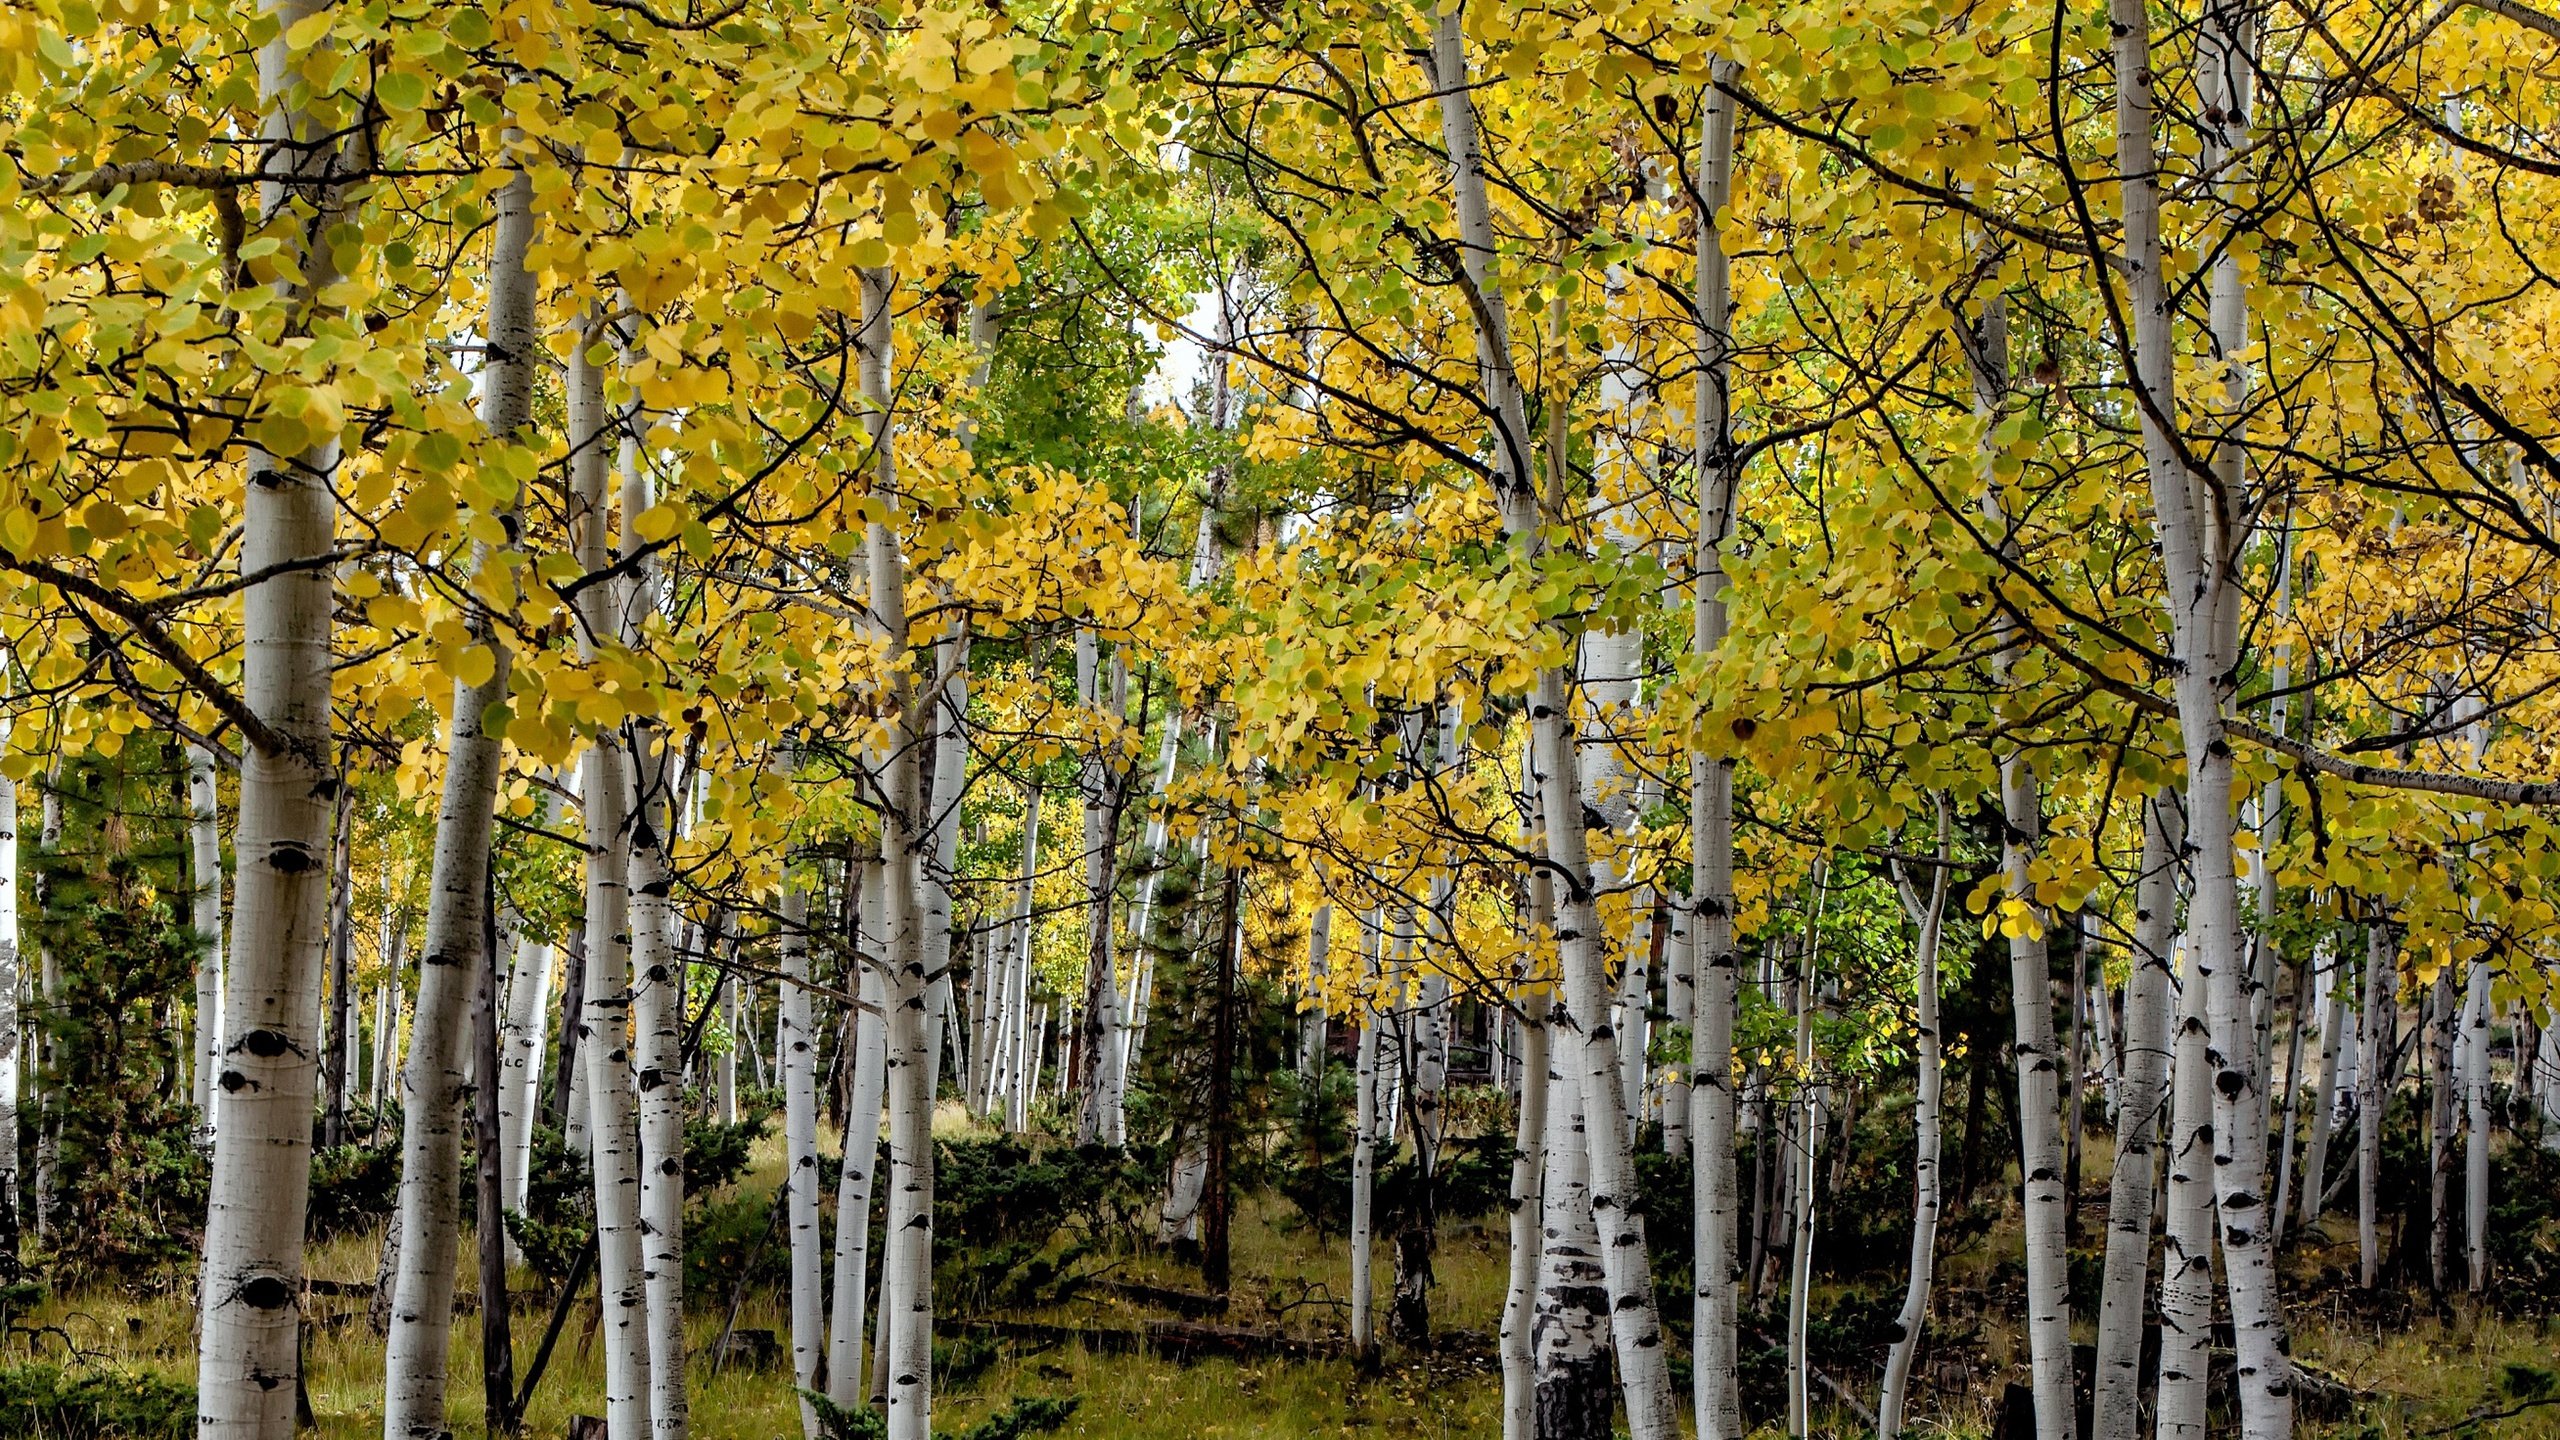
(2417, 1372)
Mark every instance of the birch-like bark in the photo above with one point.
(1800, 1211)
(604, 1011)
(906, 842)
(1364, 1155)
(794, 1045)
(2116, 1409)
(2200, 520)
(10, 1025)
(249, 1351)
(1100, 1046)
(1927, 915)
(2324, 1103)
(1528, 1223)
(453, 963)
(1715, 1199)
(204, 850)
(527, 1031)
(853, 1191)
(1635, 1323)
(1569, 1337)
(657, 985)
(1311, 1018)
(2186, 1261)
(2024, 922)
(1635, 1320)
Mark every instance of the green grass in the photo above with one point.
(2428, 1374)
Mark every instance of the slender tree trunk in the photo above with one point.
(11, 1023)
(1364, 1157)
(1215, 1260)
(1528, 1222)
(657, 994)
(2201, 527)
(793, 1045)
(2292, 1094)
(906, 844)
(1800, 1209)
(568, 1087)
(454, 968)
(1099, 1039)
(2475, 1095)
(2324, 1103)
(2381, 967)
(853, 1192)
(1570, 1334)
(497, 1343)
(1927, 916)
(2442, 1022)
(604, 1014)
(2116, 1409)
(249, 1355)
(2024, 922)
(1717, 985)
(526, 1031)
(204, 848)
(337, 1072)
(2186, 1280)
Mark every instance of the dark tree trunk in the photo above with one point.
(573, 982)
(342, 939)
(497, 1345)
(1575, 1401)
(1215, 1201)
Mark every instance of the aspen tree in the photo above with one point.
(2186, 1281)
(433, 1088)
(1715, 1190)
(604, 1013)
(249, 1353)
(204, 851)
(796, 1052)
(2115, 1411)
(1927, 913)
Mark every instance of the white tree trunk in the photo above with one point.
(10, 981)
(1570, 1333)
(1311, 1019)
(249, 1355)
(1800, 1209)
(1098, 1119)
(1364, 1156)
(853, 1194)
(204, 848)
(1927, 915)
(1715, 1197)
(454, 961)
(2324, 1102)
(2115, 1412)
(795, 1047)
(1528, 1223)
(906, 844)
(2201, 527)
(657, 994)
(528, 1032)
(604, 1013)
(2186, 1275)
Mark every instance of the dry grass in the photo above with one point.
(2426, 1375)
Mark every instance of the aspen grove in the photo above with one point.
(1683, 718)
